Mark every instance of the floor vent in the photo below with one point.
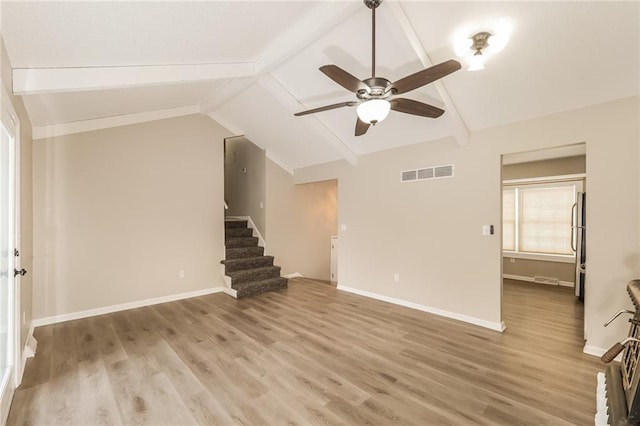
(546, 280)
(426, 173)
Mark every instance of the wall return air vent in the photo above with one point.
(426, 173)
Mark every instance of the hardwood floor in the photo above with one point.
(313, 355)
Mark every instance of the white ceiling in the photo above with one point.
(251, 65)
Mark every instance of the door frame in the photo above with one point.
(14, 351)
(581, 149)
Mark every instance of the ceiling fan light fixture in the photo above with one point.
(476, 63)
(373, 111)
(480, 41)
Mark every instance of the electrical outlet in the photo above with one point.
(396, 277)
(181, 274)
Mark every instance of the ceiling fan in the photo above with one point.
(374, 94)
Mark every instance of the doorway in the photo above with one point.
(544, 245)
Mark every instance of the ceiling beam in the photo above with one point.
(461, 133)
(28, 81)
(280, 92)
(319, 21)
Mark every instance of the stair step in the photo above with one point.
(238, 232)
(241, 242)
(253, 288)
(233, 223)
(247, 263)
(243, 252)
(255, 274)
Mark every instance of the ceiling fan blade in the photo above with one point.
(343, 78)
(409, 106)
(361, 127)
(325, 108)
(426, 76)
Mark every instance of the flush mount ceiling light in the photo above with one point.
(480, 42)
(477, 42)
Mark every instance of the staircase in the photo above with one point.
(251, 272)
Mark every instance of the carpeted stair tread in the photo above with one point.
(255, 274)
(238, 232)
(241, 242)
(253, 288)
(232, 265)
(232, 223)
(243, 252)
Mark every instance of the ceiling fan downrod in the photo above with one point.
(373, 4)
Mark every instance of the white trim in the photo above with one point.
(29, 350)
(284, 166)
(231, 127)
(560, 258)
(294, 275)
(41, 132)
(29, 81)
(9, 381)
(596, 351)
(123, 306)
(460, 130)
(497, 326)
(532, 280)
(546, 179)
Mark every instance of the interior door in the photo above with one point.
(8, 243)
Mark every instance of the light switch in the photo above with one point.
(343, 227)
(487, 230)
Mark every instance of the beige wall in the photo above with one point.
(534, 169)
(245, 190)
(26, 205)
(553, 167)
(300, 220)
(425, 230)
(119, 212)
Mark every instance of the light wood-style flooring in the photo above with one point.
(313, 355)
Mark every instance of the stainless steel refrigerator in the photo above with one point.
(578, 241)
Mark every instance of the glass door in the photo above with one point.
(7, 254)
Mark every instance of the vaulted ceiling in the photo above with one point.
(252, 65)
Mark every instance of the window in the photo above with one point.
(537, 218)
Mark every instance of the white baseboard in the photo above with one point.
(497, 326)
(596, 351)
(28, 351)
(230, 291)
(532, 280)
(123, 307)
(293, 275)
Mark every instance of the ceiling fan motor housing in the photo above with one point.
(377, 88)
(372, 4)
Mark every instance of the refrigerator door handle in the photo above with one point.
(573, 225)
